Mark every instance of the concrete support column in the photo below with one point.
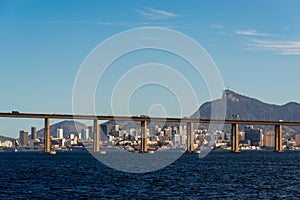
(144, 137)
(47, 142)
(190, 138)
(235, 138)
(278, 138)
(96, 136)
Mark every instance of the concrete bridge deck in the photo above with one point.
(141, 118)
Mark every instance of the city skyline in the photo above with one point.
(254, 44)
(159, 133)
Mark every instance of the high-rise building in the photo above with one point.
(223, 136)
(72, 136)
(182, 130)
(176, 140)
(116, 127)
(60, 133)
(168, 132)
(174, 130)
(23, 138)
(242, 136)
(269, 138)
(33, 133)
(85, 134)
(183, 139)
(91, 133)
(253, 136)
(133, 131)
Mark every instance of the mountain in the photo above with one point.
(4, 138)
(69, 126)
(248, 108)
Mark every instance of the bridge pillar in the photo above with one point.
(278, 138)
(190, 139)
(47, 142)
(144, 148)
(235, 138)
(96, 136)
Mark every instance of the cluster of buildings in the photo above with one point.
(7, 144)
(170, 136)
(58, 142)
(166, 137)
(176, 137)
(255, 138)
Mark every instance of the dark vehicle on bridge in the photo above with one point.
(15, 112)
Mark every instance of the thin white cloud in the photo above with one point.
(219, 29)
(127, 24)
(104, 23)
(66, 22)
(110, 23)
(217, 26)
(156, 14)
(282, 47)
(137, 24)
(286, 27)
(251, 32)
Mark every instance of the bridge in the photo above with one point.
(143, 120)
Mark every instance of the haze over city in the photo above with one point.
(254, 44)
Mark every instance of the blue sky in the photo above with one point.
(255, 45)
